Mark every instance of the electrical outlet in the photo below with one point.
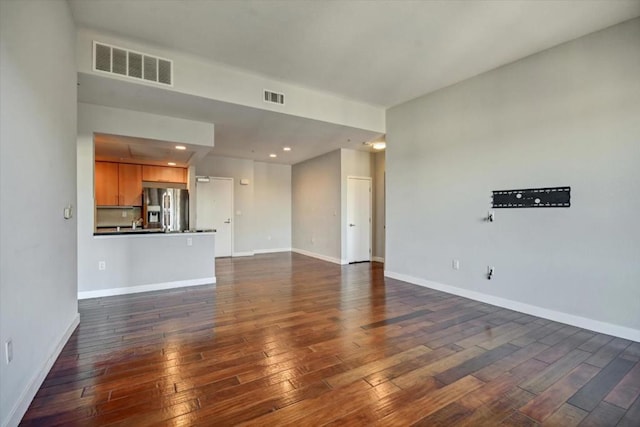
(455, 264)
(8, 350)
(268, 237)
(491, 216)
(102, 265)
(189, 241)
(490, 272)
(124, 214)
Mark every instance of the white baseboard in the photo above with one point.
(319, 256)
(27, 395)
(271, 251)
(377, 259)
(145, 288)
(238, 254)
(557, 316)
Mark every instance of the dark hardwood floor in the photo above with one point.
(285, 339)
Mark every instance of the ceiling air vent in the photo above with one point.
(273, 97)
(136, 65)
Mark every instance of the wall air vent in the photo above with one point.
(128, 63)
(273, 97)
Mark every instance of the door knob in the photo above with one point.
(352, 225)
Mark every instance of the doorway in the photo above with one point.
(214, 209)
(358, 219)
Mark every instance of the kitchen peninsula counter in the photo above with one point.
(128, 231)
(130, 261)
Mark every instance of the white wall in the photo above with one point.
(243, 196)
(121, 272)
(319, 202)
(38, 306)
(566, 116)
(272, 203)
(196, 76)
(316, 206)
(378, 168)
(353, 163)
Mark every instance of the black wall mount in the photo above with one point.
(551, 197)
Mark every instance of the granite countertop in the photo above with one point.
(113, 231)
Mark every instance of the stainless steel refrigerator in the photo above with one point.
(166, 209)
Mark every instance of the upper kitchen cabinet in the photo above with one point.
(130, 184)
(118, 184)
(164, 174)
(106, 182)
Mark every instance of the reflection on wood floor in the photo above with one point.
(287, 339)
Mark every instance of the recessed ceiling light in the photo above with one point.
(171, 164)
(273, 155)
(180, 147)
(286, 148)
(376, 145)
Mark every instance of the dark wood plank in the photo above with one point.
(361, 371)
(476, 363)
(598, 387)
(564, 347)
(627, 390)
(397, 319)
(595, 343)
(377, 409)
(494, 390)
(632, 352)
(405, 367)
(450, 415)
(552, 398)
(608, 352)
(495, 369)
(560, 335)
(495, 411)
(555, 371)
(603, 415)
(287, 339)
(517, 419)
(565, 416)
(432, 402)
(632, 416)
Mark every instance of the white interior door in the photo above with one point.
(214, 209)
(358, 219)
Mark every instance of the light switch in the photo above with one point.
(68, 212)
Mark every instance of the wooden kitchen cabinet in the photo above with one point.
(106, 184)
(118, 184)
(130, 184)
(164, 174)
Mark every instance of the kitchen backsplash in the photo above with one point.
(116, 217)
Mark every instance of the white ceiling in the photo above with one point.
(379, 52)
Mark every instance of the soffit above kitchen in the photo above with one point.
(127, 149)
(240, 131)
(378, 52)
